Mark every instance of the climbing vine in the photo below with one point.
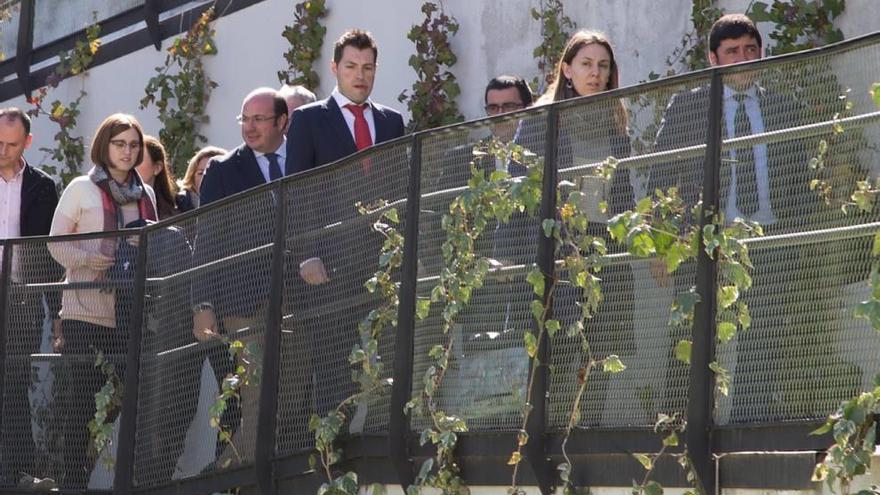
(371, 375)
(431, 101)
(5, 16)
(306, 36)
(180, 92)
(108, 402)
(556, 28)
(799, 24)
(69, 150)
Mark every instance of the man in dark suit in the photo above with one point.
(328, 298)
(234, 297)
(764, 183)
(348, 121)
(28, 197)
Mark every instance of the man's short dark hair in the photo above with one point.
(504, 82)
(731, 27)
(358, 39)
(15, 113)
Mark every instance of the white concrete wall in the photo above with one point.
(496, 36)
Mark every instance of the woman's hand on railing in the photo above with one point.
(99, 262)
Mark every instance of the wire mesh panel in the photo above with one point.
(488, 366)
(61, 411)
(332, 251)
(178, 382)
(199, 397)
(803, 353)
(632, 319)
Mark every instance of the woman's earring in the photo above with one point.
(568, 83)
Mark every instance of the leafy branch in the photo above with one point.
(431, 101)
(108, 402)
(69, 150)
(556, 28)
(180, 92)
(371, 376)
(800, 24)
(306, 36)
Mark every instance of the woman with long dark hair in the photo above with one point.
(590, 133)
(156, 173)
(109, 197)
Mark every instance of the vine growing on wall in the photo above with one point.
(556, 28)
(431, 101)
(799, 24)
(5, 16)
(180, 92)
(306, 36)
(68, 151)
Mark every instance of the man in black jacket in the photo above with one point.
(28, 198)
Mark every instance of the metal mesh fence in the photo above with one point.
(320, 326)
(802, 121)
(804, 352)
(488, 369)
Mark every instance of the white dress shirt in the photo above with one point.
(263, 162)
(342, 100)
(10, 212)
(764, 214)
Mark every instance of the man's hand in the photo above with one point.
(57, 336)
(204, 325)
(313, 272)
(99, 262)
(658, 271)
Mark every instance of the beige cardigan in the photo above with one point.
(80, 210)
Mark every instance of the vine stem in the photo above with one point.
(527, 409)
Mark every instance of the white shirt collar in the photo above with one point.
(342, 100)
(281, 151)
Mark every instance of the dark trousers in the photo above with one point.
(24, 331)
(77, 382)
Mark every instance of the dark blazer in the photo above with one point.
(685, 123)
(240, 288)
(233, 173)
(319, 135)
(39, 198)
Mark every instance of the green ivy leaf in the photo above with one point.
(423, 307)
(875, 93)
(548, 225)
(613, 364)
(653, 488)
(531, 344)
(727, 295)
(536, 279)
(683, 351)
(645, 461)
(552, 327)
(726, 331)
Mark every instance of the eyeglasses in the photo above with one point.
(493, 108)
(120, 145)
(256, 119)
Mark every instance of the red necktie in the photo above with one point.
(362, 137)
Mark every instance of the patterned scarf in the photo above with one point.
(114, 195)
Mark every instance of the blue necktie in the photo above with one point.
(746, 175)
(274, 168)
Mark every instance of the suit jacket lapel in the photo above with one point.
(381, 121)
(336, 121)
(249, 169)
(29, 183)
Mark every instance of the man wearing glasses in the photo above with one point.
(232, 301)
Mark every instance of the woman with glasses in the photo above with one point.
(188, 197)
(109, 197)
(589, 133)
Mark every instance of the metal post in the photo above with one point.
(398, 427)
(702, 385)
(124, 476)
(5, 280)
(151, 17)
(24, 48)
(267, 418)
(536, 449)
